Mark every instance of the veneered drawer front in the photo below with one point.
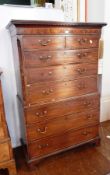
(3, 131)
(40, 113)
(59, 73)
(79, 42)
(58, 30)
(5, 151)
(33, 59)
(50, 92)
(43, 42)
(52, 144)
(61, 124)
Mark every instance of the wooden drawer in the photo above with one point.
(62, 124)
(40, 113)
(33, 59)
(5, 151)
(43, 42)
(53, 144)
(60, 73)
(3, 131)
(82, 42)
(50, 92)
(57, 30)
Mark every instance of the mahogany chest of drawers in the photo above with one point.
(58, 64)
(6, 155)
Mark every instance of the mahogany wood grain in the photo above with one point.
(6, 154)
(50, 92)
(58, 68)
(82, 42)
(59, 73)
(84, 160)
(34, 59)
(43, 42)
(10, 166)
(40, 113)
(5, 151)
(3, 131)
(52, 144)
(61, 124)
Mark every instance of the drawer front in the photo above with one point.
(60, 73)
(50, 92)
(3, 131)
(5, 152)
(33, 59)
(43, 42)
(81, 42)
(58, 30)
(61, 124)
(52, 144)
(66, 107)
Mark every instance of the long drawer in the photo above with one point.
(43, 42)
(59, 73)
(41, 113)
(5, 151)
(52, 144)
(57, 30)
(82, 42)
(62, 124)
(33, 59)
(50, 92)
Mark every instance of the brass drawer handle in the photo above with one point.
(79, 55)
(87, 103)
(44, 43)
(41, 114)
(81, 86)
(50, 73)
(82, 41)
(81, 70)
(85, 133)
(47, 92)
(42, 131)
(85, 54)
(41, 146)
(89, 116)
(45, 57)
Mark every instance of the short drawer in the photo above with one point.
(59, 73)
(43, 42)
(3, 131)
(41, 113)
(61, 124)
(82, 42)
(51, 92)
(34, 59)
(5, 151)
(53, 144)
